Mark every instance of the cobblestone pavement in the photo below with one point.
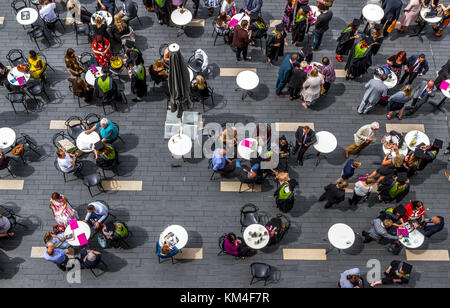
(185, 195)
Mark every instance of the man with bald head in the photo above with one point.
(56, 255)
(420, 96)
(362, 138)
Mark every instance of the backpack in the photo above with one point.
(395, 248)
(285, 205)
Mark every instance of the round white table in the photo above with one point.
(390, 82)
(240, 17)
(179, 145)
(179, 232)
(418, 137)
(83, 228)
(246, 152)
(341, 236)
(326, 143)
(105, 15)
(27, 16)
(373, 13)
(403, 150)
(90, 76)
(86, 142)
(247, 80)
(258, 240)
(181, 19)
(426, 20)
(446, 94)
(415, 238)
(7, 138)
(191, 74)
(14, 75)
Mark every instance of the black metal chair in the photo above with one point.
(260, 271)
(8, 166)
(87, 59)
(92, 268)
(36, 89)
(16, 97)
(79, 31)
(108, 100)
(93, 180)
(75, 126)
(76, 171)
(36, 33)
(60, 136)
(135, 17)
(249, 215)
(205, 98)
(91, 119)
(15, 57)
(28, 145)
(112, 166)
(74, 96)
(123, 101)
(287, 224)
(43, 57)
(118, 134)
(34, 2)
(210, 166)
(215, 31)
(12, 217)
(17, 5)
(222, 248)
(164, 259)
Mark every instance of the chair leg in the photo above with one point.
(10, 172)
(92, 271)
(251, 281)
(214, 172)
(90, 191)
(64, 175)
(240, 186)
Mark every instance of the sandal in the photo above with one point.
(388, 117)
(398, 117)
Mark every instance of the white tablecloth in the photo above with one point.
(432, 20)
(90, 76)
(104, 15)
(258, 242)
(14, 74)
(240, 17)
(179, 232)
(446, 92)
(86, 142)
(7, 137)
(373, 13)
(249, 152)
(341, 236)
(247, 80)
(390, 82)
(326, 142)
(82, 228)
(180, 145)
(181, 19)
(33, 16)
(419, 138)
(415, 240)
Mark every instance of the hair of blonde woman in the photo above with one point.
(303, 65)
(98, 22)
(342, 184)
(159, 63)
(47, 237)
(398, 160)
(283, 177)
(356, 164)
(407, 90)
(119, 22)
(314, 72)
(201, 82)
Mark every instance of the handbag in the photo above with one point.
(18, 150)
(392, 26)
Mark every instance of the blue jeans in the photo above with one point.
(280, 86)
(317, 39)
(253, 168)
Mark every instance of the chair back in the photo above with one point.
(87, 59)
(17, 5)
(287, 224)
(162, 48)
(260, 270)
(91, 119)
(37, 32)
(249, 212)
(15, 56)
(75, 126)
(60, 136)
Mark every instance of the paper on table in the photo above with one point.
(94, 69)
(308, 69)
(20, 80)
(246, 143)
(73, 224)
(233, 22)
(82, 239)
(444, 85)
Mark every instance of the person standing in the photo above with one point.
(304, 138)
(300, 24)
(392, 10)
(439, 29)
(138, 81)
(375, 90)
(275, 44)
(362, 138)
(398, 101)
(328, 73)
(321, 25)
(360, 59)
(106, 5)
(334, 193)
(284, 73)
(420, 96)
(311, 88)
(241, 40)
(288, 17)
(416, 65)
(252, 8)
(410, 14)
(362, 189)
(378, 231)
(347, 39)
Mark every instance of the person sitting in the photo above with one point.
(398, 272)
(284, 195)
(362, 189)
(119, 29)
(245, 174)
(67, 162)
(158, 72)
(105, 154)
(351, 279)
(72, 65)
(89, 257)
(81, 88)
(228, 7)
(4, 77)
(102, 50)
(114, 232)
(106, 5)
(258, 29)
(105, 87)
(62, 211)
(132, 54)
(80, 13)
(283, 151)
(236, 247)
(5, 226)
(58, 241)
(334, 193)
(221, 163)
(108, 131)
(394, 188)
(415, 211)
(57, 256)
(379, 231)
(48, 15)
(97, 212)
(37, 65)
(4, 161)
(394, 213)
(431, 152)
(199, 88)
(390, 166)
(430, 227)
(221, 26)
(349, 169)
(275, 227)
(166, 251)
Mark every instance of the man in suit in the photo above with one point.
(392, 9)
(363, 137)
(304, 138)
(420, 96)
(252, 8)
(285, 72)
(416, 65)
(321, 25)
(431, 227)
(375, 90)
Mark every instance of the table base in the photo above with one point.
(180, 31)
(245, 94)
(419, 33)
(318, 155)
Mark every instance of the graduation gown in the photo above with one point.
(358, 64)
(345, 44)
(299, 29)
(376, 47)
(273, 52)
(384, 188)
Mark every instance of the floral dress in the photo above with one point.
(102, 59)
(62, 217)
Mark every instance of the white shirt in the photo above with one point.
(66, 164)
(362, 190)
(226, 6)
(47, 12)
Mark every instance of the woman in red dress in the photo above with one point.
(102, 50)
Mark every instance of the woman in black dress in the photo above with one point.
(396, 62)
(300, 23)
(275, 44)
(347, 39)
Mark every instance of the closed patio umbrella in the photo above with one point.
(179, 82)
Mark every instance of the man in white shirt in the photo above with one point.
(96, 212)
(48, 14)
